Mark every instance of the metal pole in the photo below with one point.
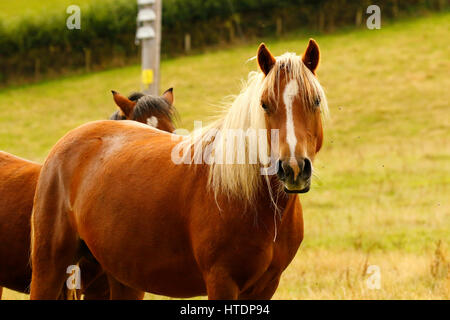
(148, 69)
(158, 23)
(149, 34)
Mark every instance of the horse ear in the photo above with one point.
(311, 56)
(168, 96)
(265, 59)
(125, 104)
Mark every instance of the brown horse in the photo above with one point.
(18, 179)
(157, 112)
(183, 225)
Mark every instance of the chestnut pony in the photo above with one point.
(190, 227)
(18, 179)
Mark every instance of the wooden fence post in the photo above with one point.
(37, 68)
(279, 26)
(187, 42)
(358, 16)
(87, 59)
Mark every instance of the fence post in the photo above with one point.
(87, 59)
(230, 27)
(279, 26)
(187, 42)
(358, 16)
(37, 69)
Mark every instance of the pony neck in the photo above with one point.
(269, 201)
(273, 193)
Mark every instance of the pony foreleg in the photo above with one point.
(265, 293)
(220, 286)
(98, 289)
(119, 291)
(93, 280)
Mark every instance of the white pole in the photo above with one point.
(158, 27)
(149, 33)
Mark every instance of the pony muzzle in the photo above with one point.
(295, 174)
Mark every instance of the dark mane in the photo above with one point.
(135, 96)
(147, 105)
(151, 105)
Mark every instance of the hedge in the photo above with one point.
(43, 46)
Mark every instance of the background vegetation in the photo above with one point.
(35, 42)
(383, 193)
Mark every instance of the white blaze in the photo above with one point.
(152, 121)
(290, 92)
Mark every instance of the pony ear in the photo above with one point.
(265, 59)
(125, 104)
(311, 56)
(168, 96)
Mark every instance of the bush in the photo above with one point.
(39, 46)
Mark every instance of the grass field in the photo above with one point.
(383, 194)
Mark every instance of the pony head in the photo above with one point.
(155, 111)
(293, 102)
(285, 98)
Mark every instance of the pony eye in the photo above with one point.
(264, 106)
(317, 102)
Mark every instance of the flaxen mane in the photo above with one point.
(245, 112)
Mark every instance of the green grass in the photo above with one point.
(382, 196)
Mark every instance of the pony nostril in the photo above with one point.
(287, 171)
(307, 168)
(280, 171)
(302, 165)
